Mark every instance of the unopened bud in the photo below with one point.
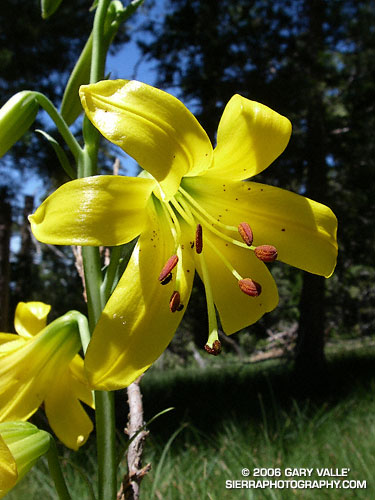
(169, 265)
(16, 117)
(198, 239)
(266, 253)
(215, 349)
(250, 287)
(246, 233)
(174, 302)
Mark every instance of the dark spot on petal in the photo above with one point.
(283, 229)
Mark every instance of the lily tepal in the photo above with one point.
(41, 365)
(192, 210)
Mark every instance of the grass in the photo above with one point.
(232, 416)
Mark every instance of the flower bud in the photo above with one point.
(49, 7)
(16, 117)
(21, 444)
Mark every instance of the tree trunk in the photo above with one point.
(310, 342)
(5, 229)
(24, 287)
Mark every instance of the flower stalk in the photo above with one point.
(104, 401)
(55, 471)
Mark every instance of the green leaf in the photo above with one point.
(60, 153)
(71, 105)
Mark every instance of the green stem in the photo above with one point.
(56, 473)
(61, 125)
(104, 401)
(105, 442)
(99, 52)
(93, 281)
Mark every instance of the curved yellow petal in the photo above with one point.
(249, 138)
(153, 127)
(100, 210)
(30, 318)
(7, 337)
(65, 414)
(8, 469)
(137, 315)
(302, 230)
(236, 310)
(29, 367)
(82, 389)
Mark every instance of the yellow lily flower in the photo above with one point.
(41, 365)
(193, 211)
(21, 444)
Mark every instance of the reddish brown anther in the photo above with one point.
(246, 233)
(175, 302)
(198, 239)
(250, 287)
(266, 253)
(215, 349)
(169, 265)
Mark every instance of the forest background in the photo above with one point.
(310, 60)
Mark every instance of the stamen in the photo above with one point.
(212, 322)
(246, 233)
(210, 227)
(266, 253)
(215, 349)
(169, 265)
(203, 212)
(225, 261)
(250, 287)
(198, 239)
(174, 302)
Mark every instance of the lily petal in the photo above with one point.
(302, 230)
(82, 390)
(30, 318)
(137, 315)
(7, 337)
(8, 469)
(153, 127)
(249, 138)
(27, 368)
(65, 414)
(100, 210)
(237, 310)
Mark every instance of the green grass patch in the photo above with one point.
(232, 416)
